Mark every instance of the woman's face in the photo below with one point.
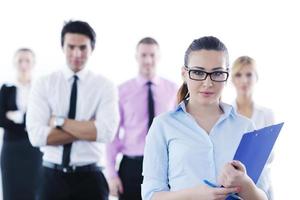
(244, 80)
(24, 61)
(206, 91)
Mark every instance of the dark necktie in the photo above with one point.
(150, 104)
(71, 115)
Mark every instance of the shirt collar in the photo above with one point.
(142, 80)
(227, 109)
(68, 74)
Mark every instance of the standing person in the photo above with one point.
(71, 112)
(141, 98)
(198, 139)
(20, 162)
(244, 77)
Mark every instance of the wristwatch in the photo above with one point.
(59, 122)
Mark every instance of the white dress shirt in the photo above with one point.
(96, 100)
(22, 94)
(261, 116)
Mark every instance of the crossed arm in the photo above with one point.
(40, 116)
(72, 130)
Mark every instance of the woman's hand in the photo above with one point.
(209, 193)
(200, 192)
(234, 174)
(15, 116)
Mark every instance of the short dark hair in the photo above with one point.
(147, 40)
(79, 27)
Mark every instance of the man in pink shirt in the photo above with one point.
(141, 98)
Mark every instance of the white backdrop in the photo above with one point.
(265, 30)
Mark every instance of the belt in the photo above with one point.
(70, 169)
(133, 157)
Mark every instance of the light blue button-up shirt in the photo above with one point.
(181, 154)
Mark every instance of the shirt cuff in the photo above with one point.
(104, 134)
(39, 136)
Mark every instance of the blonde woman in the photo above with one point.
(244, 77)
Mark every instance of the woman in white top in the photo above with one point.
(244, 77)
(198, 139)
(20, 162)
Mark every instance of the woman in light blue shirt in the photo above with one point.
(198, 139)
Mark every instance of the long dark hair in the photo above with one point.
(203, 43)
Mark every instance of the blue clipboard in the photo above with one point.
(255, 148)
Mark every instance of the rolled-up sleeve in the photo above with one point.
(155, 164)
(107, 114)
(38, 115)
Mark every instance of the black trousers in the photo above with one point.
(20, 169)
(57, 185)
(130, 173)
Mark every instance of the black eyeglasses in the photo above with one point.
(201, 75)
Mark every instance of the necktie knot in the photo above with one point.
(75, 77)
(149, 83)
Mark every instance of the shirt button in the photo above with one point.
(65, 170)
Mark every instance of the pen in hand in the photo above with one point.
(216, 186)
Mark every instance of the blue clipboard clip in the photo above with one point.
(233, 195)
